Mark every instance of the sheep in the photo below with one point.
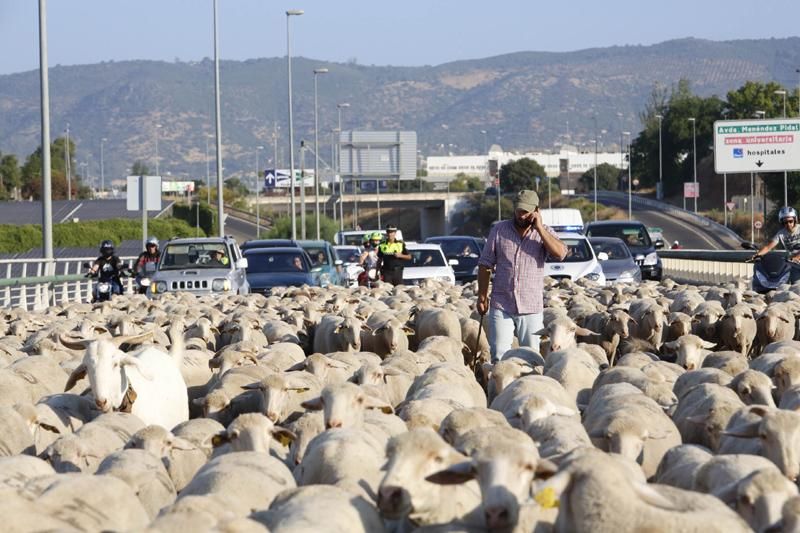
(693, 378)
(145, 474)
(348, 458)
(555, 436)
(83, 450)
(776, 323)
(460, 421)
(181, 457)
(590, 487)
(575, 369)
(776, 433)
(391, 382)
(703, 413)
(660, 391)
(448, 381)
(737, 329)
(16, 471)
(338, 334)
(282, 395)
(320, 507)
(427, 413)
(502, 373)
(691, 350)
(632, 425)
(753, 387)
(790, 399)
(405, 493)
(504, 465)
(385, 335)
(782, 367)
(520, 399)
(146, 383)
(706, 319)
(561, 333)
(435, 322)
(613, 327)
(680, 465)
(241, 481)
(728, 361)
(678, 325)
(649, 320)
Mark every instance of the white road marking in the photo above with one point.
(694, 230)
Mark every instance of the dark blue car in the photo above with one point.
(278, 267)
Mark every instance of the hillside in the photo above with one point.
(523, 100)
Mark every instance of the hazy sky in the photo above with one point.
(404, 32)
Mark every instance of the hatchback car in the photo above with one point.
(616, 260)
(580, 261)
(428, 262)
(278, 267)
(635, 235)
(463, 248)
(201, 266)
(324, 262)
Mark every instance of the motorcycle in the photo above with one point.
(143, 280)
(368, 278)
(772, 270)
(105, 284)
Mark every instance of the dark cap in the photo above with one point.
(391, 227)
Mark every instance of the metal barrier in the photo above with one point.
(706, 272)
(35, 284)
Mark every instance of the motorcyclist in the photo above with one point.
(107, 268)
(151, 254)
(369, 258)
(788, 236)
(676, 245)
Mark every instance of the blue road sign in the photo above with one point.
(269, 179)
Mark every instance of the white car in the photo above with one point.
(428, 262)
(580, 261)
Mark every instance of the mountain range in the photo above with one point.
(523, 101)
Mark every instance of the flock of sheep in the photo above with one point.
(655, 407)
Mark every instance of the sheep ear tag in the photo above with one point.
(547, 498)
(284, 439)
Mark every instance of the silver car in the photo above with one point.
(201, 266)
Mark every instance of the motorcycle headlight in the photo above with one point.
(651, 259)
(220, 284)
(160, 286)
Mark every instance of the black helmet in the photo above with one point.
(107, 248)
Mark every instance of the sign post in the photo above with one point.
(144, 192)
(771, 145)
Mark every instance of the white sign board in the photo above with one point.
(153, 193)
(771, 145)
(691, 190)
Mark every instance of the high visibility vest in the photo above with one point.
(391, 247)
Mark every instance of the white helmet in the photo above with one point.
(786, 212)
(676, 243)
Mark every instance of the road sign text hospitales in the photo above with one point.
(742, 146)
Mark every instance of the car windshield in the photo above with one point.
(631, 235)
(194, 255)
(348, 255)
(265, 262)
(353, 239)
(578, 251)
(456, 248)
(615, 250)
(318, 256)
(426, 258)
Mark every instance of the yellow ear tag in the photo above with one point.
(284, 440)
(547, 498)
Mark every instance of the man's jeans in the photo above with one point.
(503, 326)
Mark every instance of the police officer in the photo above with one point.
(392, 255)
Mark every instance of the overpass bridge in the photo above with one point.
(433, 208)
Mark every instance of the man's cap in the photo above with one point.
(527, 200)
(391, 227)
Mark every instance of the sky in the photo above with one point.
(379, 32)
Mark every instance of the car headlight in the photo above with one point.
(160, 286)
(443, 278)
(626, 276)
(594, 276)
(651, 259)
(220, 284)
(324, 279)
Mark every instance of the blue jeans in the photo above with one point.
(503, 326)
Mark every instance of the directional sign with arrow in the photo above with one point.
(770, 145)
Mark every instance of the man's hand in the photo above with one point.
(535, 219)
(483, 305)
(795, 259)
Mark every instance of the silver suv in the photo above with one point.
(201, 266)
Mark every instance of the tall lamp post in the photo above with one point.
(289, 14)
(208, 173)
(44, 98)
(218, 128)
(317, 71)
(485, 144)
(660, 194)
(339, 107)
(334, 158)
(68, 165)
(785, 174)
(102, 167)
(594, 118)
(630, 189)
(158, 127)
(258, 188)
(693, 120)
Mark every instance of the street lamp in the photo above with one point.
(485, 145)
(208, 173)
(258, 205)
(621, 143)
(660, 194)
(785, 178)
(218, 129)
(68, 165)
(102, 167)
(334, 155)
(158, 127)
(758, 114)
(316, 147)
(693, 120)
(44, 105)
(630, 189)
(594, 118)
(289, 14)
(339, 107)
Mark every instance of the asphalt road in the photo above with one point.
(241, 230)
(689, 235)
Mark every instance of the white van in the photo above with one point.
(563, 219)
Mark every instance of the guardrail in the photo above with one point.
(35, 284)
(706, 267)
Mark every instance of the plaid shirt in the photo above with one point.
(518, 285)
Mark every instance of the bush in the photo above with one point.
(188, 213)
(282, 228)
(15, 239)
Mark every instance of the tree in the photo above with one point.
(756, 96)
(282, 227)
(520, 174)
(139, 168)
(10, 175)
(607, 178)
(464, 183)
